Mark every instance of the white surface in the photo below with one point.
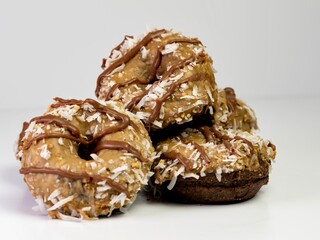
(268, 51)
(54, 48)
(287, 208)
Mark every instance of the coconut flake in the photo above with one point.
(70, 218)
(45, 153)
(54, 194)
(129, 43)
(211, 110)
(142, 115)
(187, 97)
(209, 94)
(88, 107)
(103, 188)
(218, 174)
(86, 209)
(61, 203)
(113, 176)
(41, 207)
(197, 51)
(96, 158)
(176, 78)
(93, 117)
(157, 123)
(139, 175)
(93, 165)
(66, 112)
(60, 141)
(29, 130)
(102, 170)
(121, 198)
(128, 177)
(125, 209)
(120, 169)
(175, 177)
(191, 175)
(169, 48)
(144, 52)
(195, 90)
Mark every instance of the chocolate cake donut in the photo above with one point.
(212, 165)
(231, 112)
(164, 77)
(84, 158)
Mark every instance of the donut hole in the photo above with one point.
(85, 150)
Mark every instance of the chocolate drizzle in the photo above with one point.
(151, 78)
(187, 163)
(198, 147)
(72, 175)
(119, 145)
(118, 85)
(50, 119)
(210, 133)
(126, 57)
(158, 102)
(73, 133)
(156, 110)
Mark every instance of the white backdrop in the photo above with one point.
(54, 48)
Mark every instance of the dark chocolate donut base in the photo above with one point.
(188, 192)
(234, 187)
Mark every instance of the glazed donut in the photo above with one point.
(84, 158)
(231, 112)
(163, 77)
(212, 165)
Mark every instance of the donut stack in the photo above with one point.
(159, 120)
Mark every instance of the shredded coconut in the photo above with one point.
(86, 209)
(96, 158)
(29, 130)
(60, 141)
(218, 174)
(93, 165)
(54, 194)
(191, 175)
(96, 116)
(41, 207)
(144, 52)
(209, 94)
(120, 169)
(103, 188)
(175, 177)
(70, 218)
(45, 153)
(66, 112)
(61, 203)
(102, 170)
(121, 198)
(169, 48)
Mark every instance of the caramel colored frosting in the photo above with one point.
(84, 155)
(197, 152)
(163, 77)
(232, 112)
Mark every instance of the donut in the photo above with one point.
(231, 112)
(211, 164)
(83, 159)
(163, 77)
